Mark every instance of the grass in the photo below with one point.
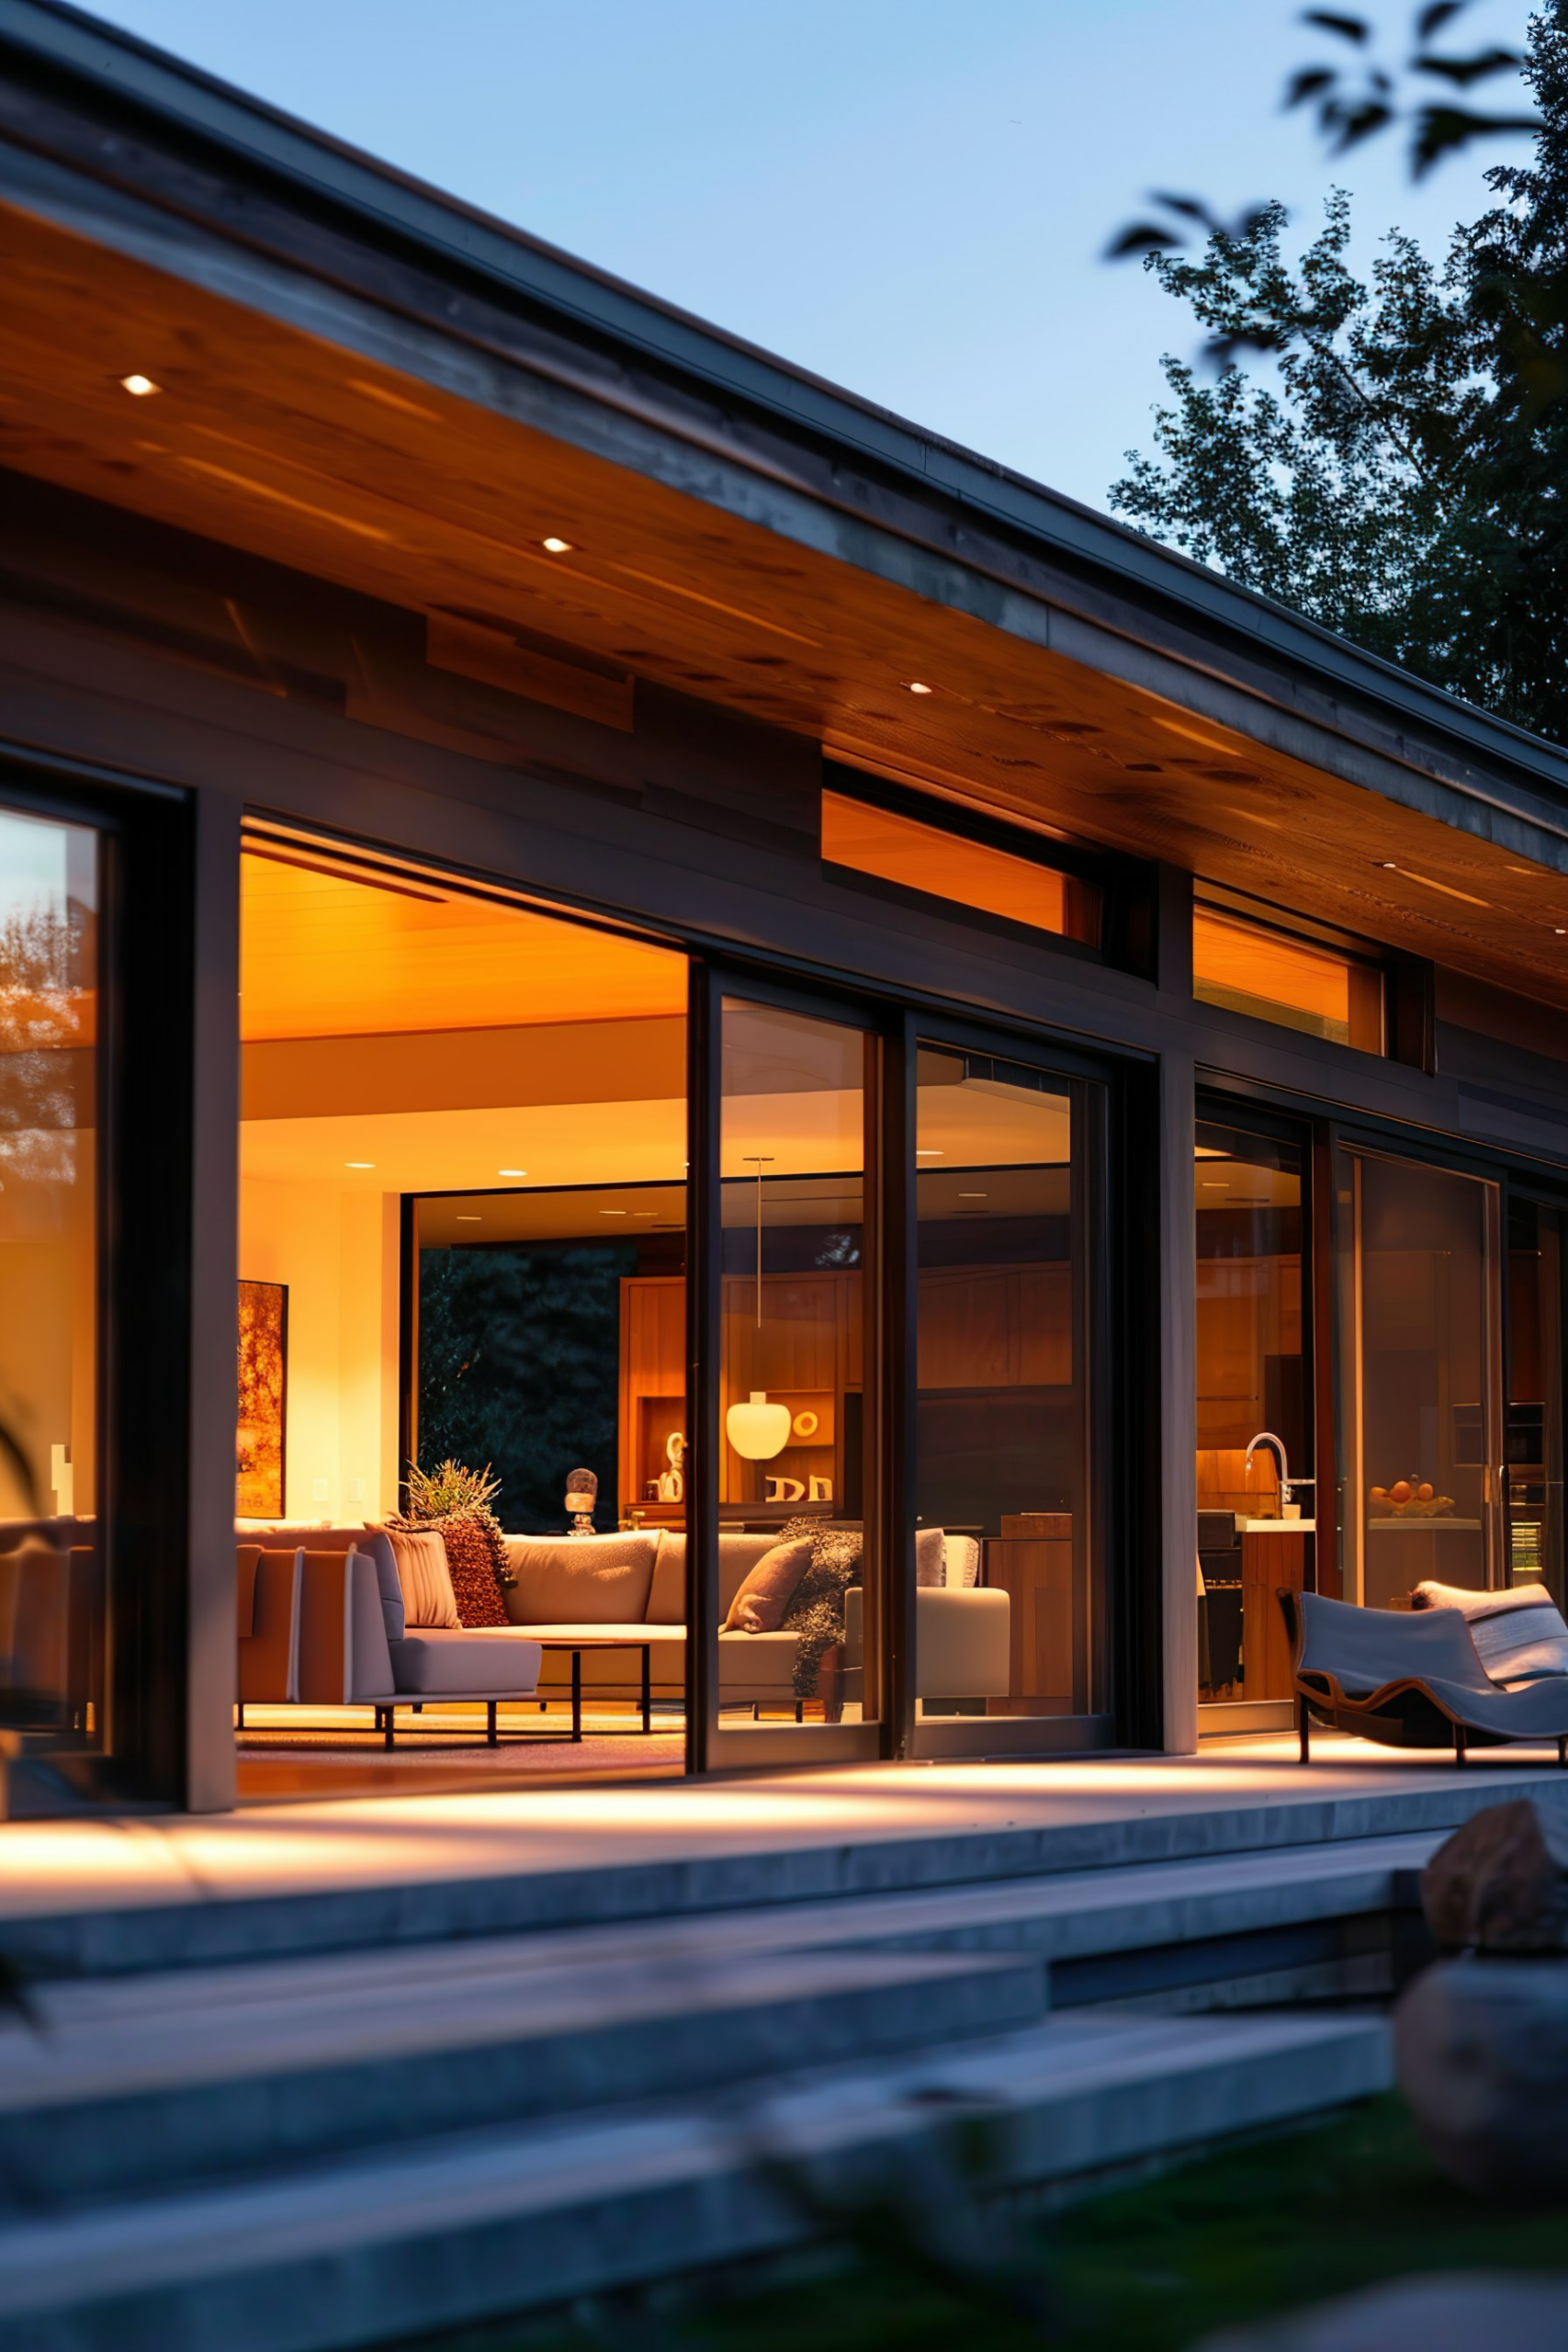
(1261, 2229)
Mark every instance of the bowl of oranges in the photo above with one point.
(1410, 1498)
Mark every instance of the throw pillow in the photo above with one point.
(471, 1562)
(815, 1615)
(930, 1556)
(963, 1562)
(1519, 1636)
(428, 1597)
(769, 1587)
(580, 1579)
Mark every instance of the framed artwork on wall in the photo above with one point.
(261, 1434)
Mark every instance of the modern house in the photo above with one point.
(607, 906)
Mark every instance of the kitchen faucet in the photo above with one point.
(1286, 1485)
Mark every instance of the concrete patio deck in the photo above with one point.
(143, 1892)
(318, 2075)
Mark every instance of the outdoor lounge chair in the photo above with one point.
(1410, 1679)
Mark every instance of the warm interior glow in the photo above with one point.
(1247, 967)
(328, 950)
(445, 1043)
(139, 385)
(923, 857)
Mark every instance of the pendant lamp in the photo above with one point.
(757, 1429)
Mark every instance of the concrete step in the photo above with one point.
(100, 2103)
(385, 2243)
(1173, 1928)
(193, 1920)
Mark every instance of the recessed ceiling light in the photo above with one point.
(1387, 866)
(613, 1212)
(359, 1163)
(556, 547)
(974, 1196)
(928, 1151)
(1558, 930)
(139, 385)
(916, 687)
(463, 1219)
(511, 1171)
(641, 1213)
(1215, 1185)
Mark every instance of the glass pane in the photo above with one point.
(1251, 1385)
(462, 1241)
(1535, 1267)
(1247, 967)
(1004, 1622)
(947, 866)
(51, 1578)
(798, 1639)
(1418, 1322)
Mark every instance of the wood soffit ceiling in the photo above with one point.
(308, 455)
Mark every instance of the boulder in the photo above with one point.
(1462, 2311)
(1481, 2052)
(1500, 1885)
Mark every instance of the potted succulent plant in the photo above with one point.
(457, 1502)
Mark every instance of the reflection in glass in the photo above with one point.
(52, 1602)
(1250, 1367)
(797, 1629)
(1004, 1623)
(1418, 1331)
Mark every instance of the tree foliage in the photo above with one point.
(1398, 474)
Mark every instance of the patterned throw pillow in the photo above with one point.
(930, 1556)
(473, 1556)
(1519, 1636)
(815, 1615)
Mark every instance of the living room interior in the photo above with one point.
(463, 1241)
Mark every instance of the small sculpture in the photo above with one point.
(581, 1494)
(672, 1482)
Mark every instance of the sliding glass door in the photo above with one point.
(1010, 1621)
(795, 1643)
(1420, 1388)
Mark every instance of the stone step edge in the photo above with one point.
(211, 1929)
(1063, 1916)
(495, 2223)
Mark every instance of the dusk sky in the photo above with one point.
(909, 197)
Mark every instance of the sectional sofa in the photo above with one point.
(632, 1585)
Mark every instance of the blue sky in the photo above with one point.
(909, 197)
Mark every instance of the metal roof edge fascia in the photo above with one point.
(76, 43)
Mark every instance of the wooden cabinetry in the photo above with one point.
(996, 1326)
(806, 1355)
(653, 1388)
(1269, 1561)
(1031, 1562)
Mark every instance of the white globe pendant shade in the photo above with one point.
(757, 1429)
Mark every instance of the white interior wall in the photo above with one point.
(337, 1252)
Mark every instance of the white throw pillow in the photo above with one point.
(963, 1562)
